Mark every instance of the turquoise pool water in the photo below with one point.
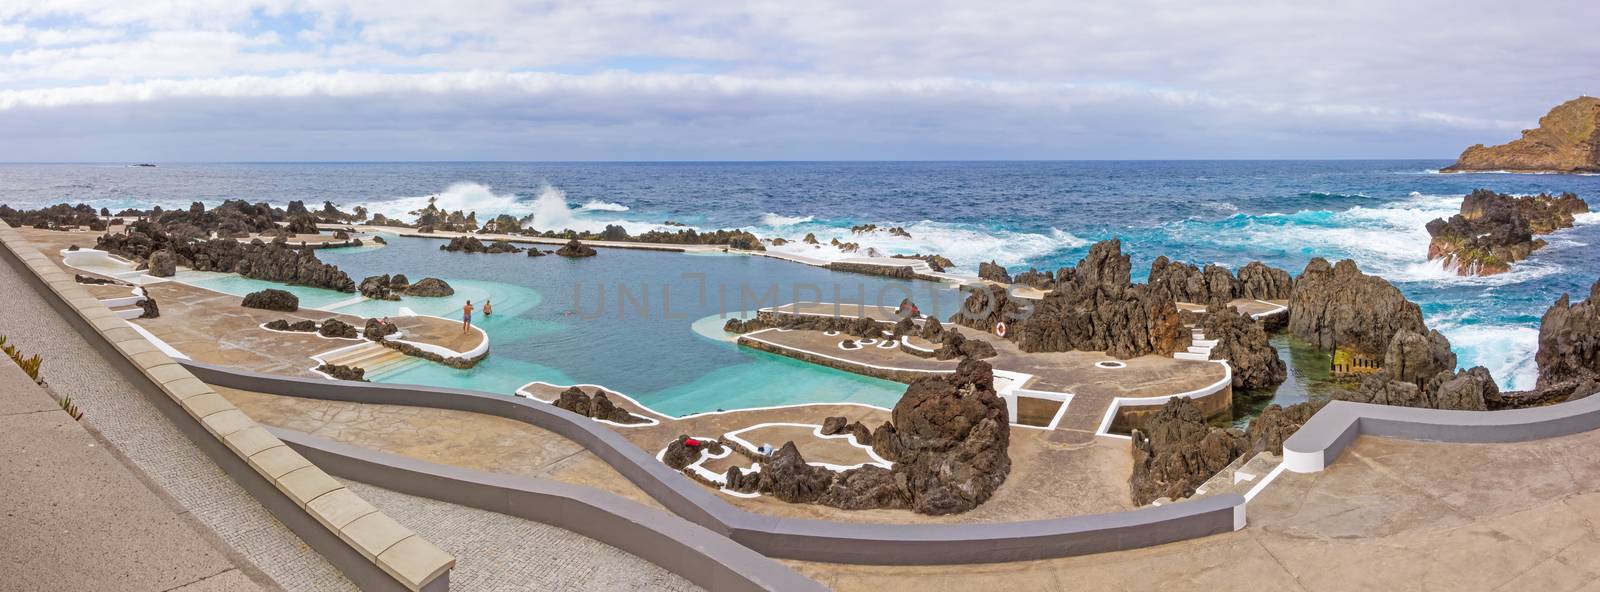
(647, 324)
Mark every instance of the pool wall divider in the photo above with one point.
(708, 559)
(778, 537)
(1322, 439)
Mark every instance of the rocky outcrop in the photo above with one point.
(575, 249)
(342, 372)
(379, 287)
(1176, 451)
(904, 272)
(275, 261)
(302, 326)
(598, 406)
(376, 330)
(272, 299)
(1183, 282)
(430, 288)
(1416, 358)
(685, 451)
(84, 279)
(993, 272)
(162, 264)
(1276, 423)
(936, 262)
(417, 352)
(471, 244)
(1566, 141)
(1259, 281)
(1257, 369)
(1569, 344)
(1465, 390)
(1337, 306)
(337, 328)
(302, 224)
(949, 437)
(1495, 230)
(1094, 307)
(148, 305)
(57, 217)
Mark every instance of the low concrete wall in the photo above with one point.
(1217, 406)
(709, 560)
(368, 547)
(1321, 440)
(753, 341)
(789, 538)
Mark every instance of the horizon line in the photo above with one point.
(710, 161)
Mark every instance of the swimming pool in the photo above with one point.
(645, 323)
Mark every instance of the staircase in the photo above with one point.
(1199, 347)
(375, 359)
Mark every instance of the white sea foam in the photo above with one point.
(775, 220)
(964, 244)
(464, 196)
(548, 211)
(1585, 218)
(1507, 351)
(595, 205)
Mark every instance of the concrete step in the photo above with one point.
(119, 302)
(1192, 356)
(1205, 342)
(1195, 349)
(390, 367)
(381, 363)
(131, 312)
(355, 355)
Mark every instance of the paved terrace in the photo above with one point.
(496, 552)
(1390, 515)
(1048, 479)
(212, 327)
(1093, 388)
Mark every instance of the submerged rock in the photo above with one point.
(575, 249)
(272, 299)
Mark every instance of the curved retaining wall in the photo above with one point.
(368, 547)
(709, 560)
(1321, 440)
(790, 538)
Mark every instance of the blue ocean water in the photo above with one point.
(1042, 214)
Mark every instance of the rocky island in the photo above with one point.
(1495, 230)
(1566, 141)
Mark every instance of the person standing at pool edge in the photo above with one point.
(466, 317)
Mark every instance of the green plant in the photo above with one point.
(71, 409)
(29, 365)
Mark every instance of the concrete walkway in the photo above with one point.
(76, 518)
(143, 436)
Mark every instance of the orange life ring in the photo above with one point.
(1000, 329)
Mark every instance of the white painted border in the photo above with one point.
(165, 348)
(816, 431)
(522, 391)
(752, 336)
(1117, 403)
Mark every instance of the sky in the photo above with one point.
(303, 80)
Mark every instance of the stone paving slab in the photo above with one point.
(150, 443)
(75, 518)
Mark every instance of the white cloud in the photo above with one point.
(1298, 69)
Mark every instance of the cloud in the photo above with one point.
(1032, 79)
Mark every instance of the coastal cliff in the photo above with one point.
(1566, 141)
(1495, 230)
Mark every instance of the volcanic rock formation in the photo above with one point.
(1495, 230)
(1566, 141)
(575, 249)
(430, 288)
(1243, 343)
(1337, 306)
(272, 299)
